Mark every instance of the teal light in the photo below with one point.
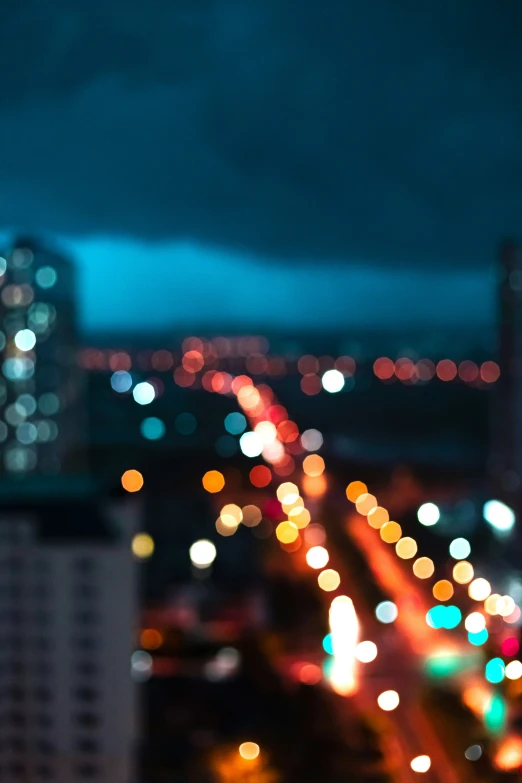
(495, 714)
(328, 644)
(226, 446)
(152, 428)
(478, 638)
(495, 670)
(441, 616)
(235, 423)
(452, 617)
(443, 665)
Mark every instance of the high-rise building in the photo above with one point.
(506, 458)
(40, 384)
(67, 616)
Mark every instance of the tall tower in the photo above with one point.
(506, 462)
(40, 383)
(68, 593)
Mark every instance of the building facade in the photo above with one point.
(41, 428)
(67, 617)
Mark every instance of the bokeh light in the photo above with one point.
(443, 590)
(251, 444)
(406, 548)
(355, 489)
(386, 612)
(478, 639)
(317, 557)
(459, 548)
(420, 763)
(329, 580)
(142, 546)
(251, 515)
(388, 700)
(260, 476)
(311, 440)
(313, 465)
(202, 553)
(479, 589)
(365, 652)
(391, 532)
(287, 493)
(475, 622)
(213, 481)
(333, 381)
(377, 517)
(144, 393)
(428, 514)
(235, 423)
(473, 753)
(423, 567)
(249, 751)
(287, 532)
(151, 639)
(132, 481)
(365, 503)
(495, 670)
(463, 572)
(514, 670)
(152, 428)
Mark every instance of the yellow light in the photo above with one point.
(249, 751)
(378, 517)
(493, 603)
(423, 567)
(443, 590)
(266, 431)
(226, 529)
(391, 532)
(313, 465)
(287, 492)
(251, 515)
(388, 700)
(317, 557)
(132, 480)
(475, 622)
(231, 515)
(329, 580)
(142, 545)
(355, 489)
(297, 504)
(287, 532)
(300, 517)
(202, 553)
(213, 481)
(406, 548)
(314, 486)
(365, 652)
(479, 589)
(463, 572)
(344, 627)
(420, 763)
(365, 503)
(514, 670)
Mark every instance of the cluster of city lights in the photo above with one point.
(265, 430)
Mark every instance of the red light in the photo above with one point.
(446, 370)
(260, 476)
(311, 384)
(490, 372)
(468, 371)
(384, 368)
(510, 647)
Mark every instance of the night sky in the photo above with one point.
(246, 162)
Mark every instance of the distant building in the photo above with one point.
(67, 615)
(506, 457)
(41, 429)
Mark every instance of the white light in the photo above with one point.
(25, 340)
(267, 432)
(141, 665)
(333, 381)
(144, 393)
(514, 670)
(344, 627)
(475, 622)
(202, 553)
(365, 652)
(311, 440)
(420, 763)
(499, 516)
(388, 700)
(428, 514)
(251, 444)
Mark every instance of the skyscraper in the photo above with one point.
(40, 385)
(67, 617)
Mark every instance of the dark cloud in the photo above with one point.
(381, 131)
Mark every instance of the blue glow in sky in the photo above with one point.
(127, 284)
